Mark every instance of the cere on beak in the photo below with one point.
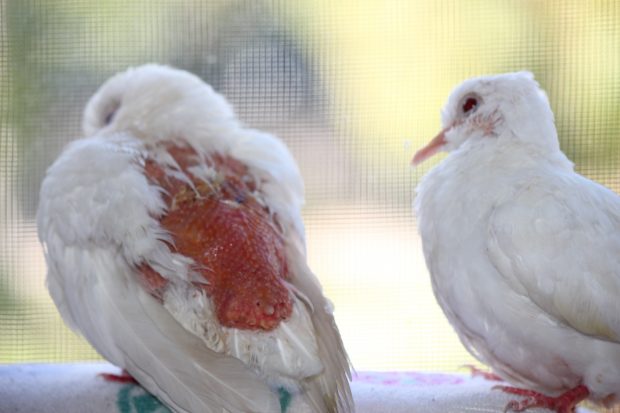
(431, 148)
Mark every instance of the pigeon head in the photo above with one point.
(154, 102)
(492, 109)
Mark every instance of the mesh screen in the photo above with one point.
(353, 87)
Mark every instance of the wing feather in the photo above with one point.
(270, 159)
(559, 244)
(328, 391)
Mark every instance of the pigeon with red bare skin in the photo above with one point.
(524, 253)
(175, 246)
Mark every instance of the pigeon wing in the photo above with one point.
(557, 242)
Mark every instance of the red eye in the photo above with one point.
(469, 104)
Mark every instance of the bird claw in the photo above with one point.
(519, 406)
(564, 403)
(124, 377)
(512, 406)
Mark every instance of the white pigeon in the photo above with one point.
(175, 246)
(524, 253)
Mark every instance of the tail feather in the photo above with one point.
(328, 391)
(174, 364)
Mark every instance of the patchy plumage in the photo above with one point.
(524, 253)
(175, 245)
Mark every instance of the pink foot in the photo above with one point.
(124, 377)
(564, 403)
(487, 375)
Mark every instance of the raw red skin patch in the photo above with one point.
(232, 238)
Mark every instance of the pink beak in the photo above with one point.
(431, 149)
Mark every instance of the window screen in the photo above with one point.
(354, 87)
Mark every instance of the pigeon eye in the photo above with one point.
(109, 117)
(470, 104)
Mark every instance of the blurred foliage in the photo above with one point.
(27, 320)
(374, 72)
(7, 300)
(403, 58)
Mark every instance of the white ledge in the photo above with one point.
(68, 388)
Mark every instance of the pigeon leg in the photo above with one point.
(564, 403)
(487, 375)
(124, 377)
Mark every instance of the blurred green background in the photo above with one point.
(352, 86)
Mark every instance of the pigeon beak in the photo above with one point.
(431, 149)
